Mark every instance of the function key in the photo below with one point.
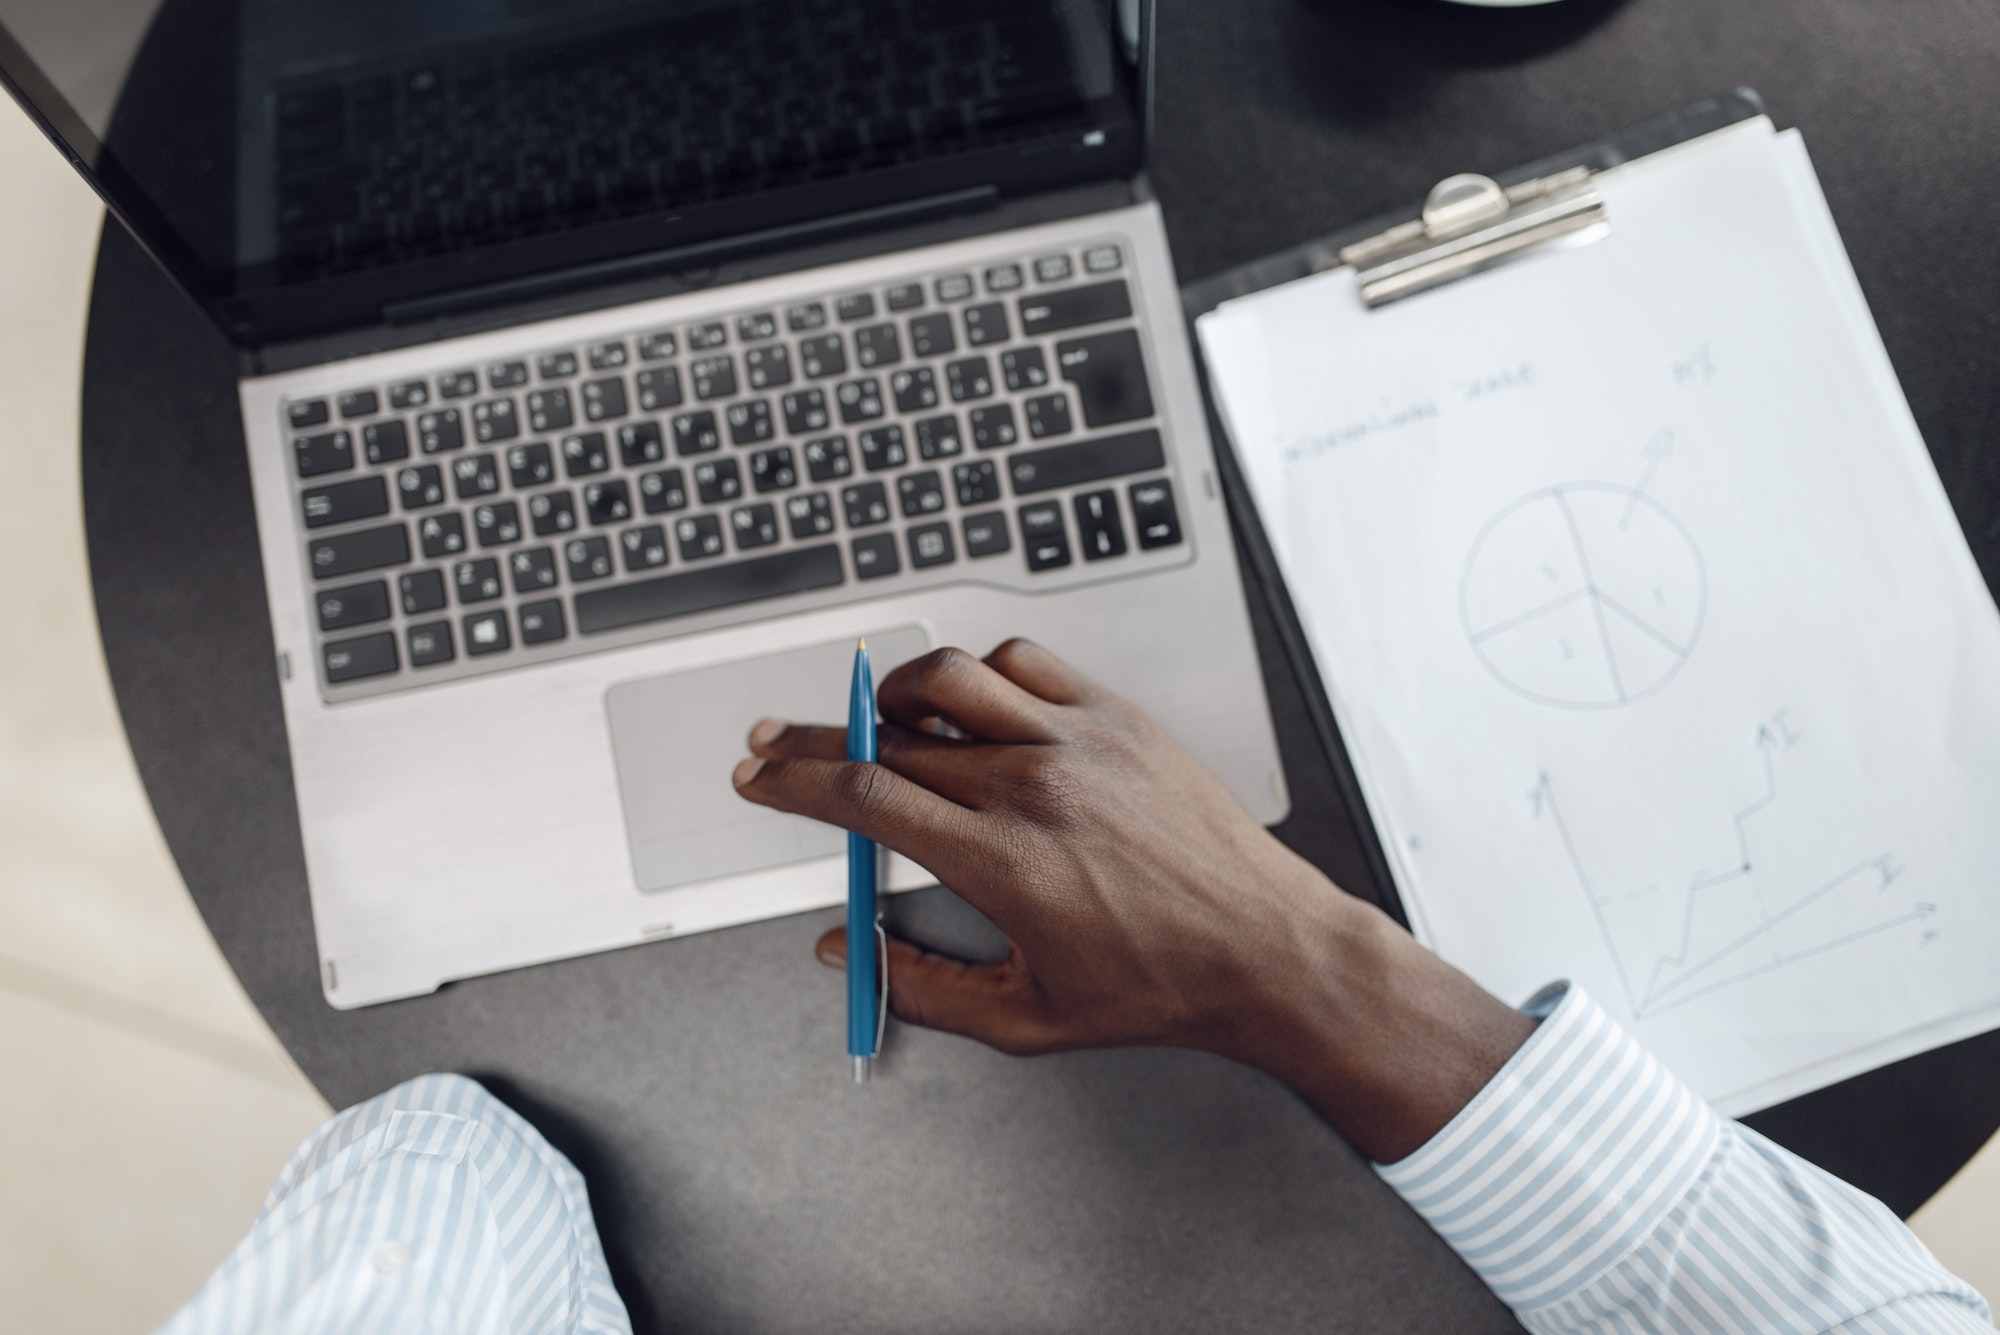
(1153, 515)
(360, 403)
(1102, 259)
(806, 316)
(362, 656)
(1003, 278)
(608, 356)
(856, 306)
(652, 347)
(1052, 268)
(310, 413)
(409, 394)
(329, 452)
(458, 384)
(954, 287)
(904, 296)
(430, 643)
(486, 632)
(556, 365)
(711, 335)
(506, 375)
(750, 328)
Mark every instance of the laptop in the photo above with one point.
(609, 368)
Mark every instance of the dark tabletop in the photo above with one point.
(738, 1184)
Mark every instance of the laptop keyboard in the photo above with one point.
(997, 425)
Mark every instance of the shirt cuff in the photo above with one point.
(1568, 1158)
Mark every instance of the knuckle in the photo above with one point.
(863, 788)
(941, 667)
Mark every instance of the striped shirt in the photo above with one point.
(1592, 1191)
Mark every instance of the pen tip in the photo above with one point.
(861, 646)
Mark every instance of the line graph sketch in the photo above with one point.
(1674, 942)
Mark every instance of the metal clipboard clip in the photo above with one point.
(1471, 223)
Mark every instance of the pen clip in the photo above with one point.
(882, 988)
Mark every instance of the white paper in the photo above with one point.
(1656, 645)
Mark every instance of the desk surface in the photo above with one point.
(738, 1185)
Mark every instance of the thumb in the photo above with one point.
(997, 1004)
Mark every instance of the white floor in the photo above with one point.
(145, 1107)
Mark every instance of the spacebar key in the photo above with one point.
(1069, 465)
(706, 590)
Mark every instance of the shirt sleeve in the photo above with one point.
(1592, 1191)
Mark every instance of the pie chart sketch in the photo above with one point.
(1587, 595)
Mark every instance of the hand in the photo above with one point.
(1142, 903)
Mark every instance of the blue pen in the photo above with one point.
(864, 1019)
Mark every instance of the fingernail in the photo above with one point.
(766, 731)
(746, 770)
(833, 953)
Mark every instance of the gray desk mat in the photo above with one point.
(739, 1182)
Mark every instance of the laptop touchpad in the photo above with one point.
(677, 736)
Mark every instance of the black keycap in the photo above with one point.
(938, 438)
(985, 535)
(486, 632)
(441, 534)
(754, 525)
(421, 591)
(608, 502)
(877, 345)
(1045, 537)
(556, 365)
(699, 536)
(1048, 415)
(993, 426)
(750, 328)
(805, 410)
(1023, 369)
(750, 422)
(1154, 518)
(767, 367)
(1004, 278)
(806, 316)
(827, 459)
(602, 399)
(1087, 461)
(458, 384)
(977, 483)
(875, 556)
(906, 297)
(430, 644)
(860, 400)
(663, 491)
(986, 324)
(533, 568)
(954, 287)
(506, 375)
(717, 480)
(343, 502)
(823, 356)
(865, 503)
(969, 378)
(542, 621)
(362, 656)
(477, 581)
(1102, 259)
(640, 601)
(639, 443)
(931, 336)
(420, 485)
(439, 430)
(710, 335)
(530, 466)
(915, 390)
(497, 524)
(359, 403)
(920, 494)
(354, 605)
(368, 549)
(329, 452)
(1109, 373)
(645, 547)
(1052, 268)
(552, 512)
(696, 433)
(810, 515)
(930, 545)
(587, 558)
(386, 442)
(1066, 308)
(607, 356)
(882, 447)
(585, 453)
(303, 415)
(652, 347)
(475, 475)
(1100, 530)
(856, 306)
(659, 388)
(773, 470)
(409, 394)
(549, 410)
(713, 377)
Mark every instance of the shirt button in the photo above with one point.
(390, 1257)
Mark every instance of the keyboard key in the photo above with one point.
(865, 503)
(1024, 369)
(640, 601)
(827, 459)
(906, 297)
(330, 452)
(659, 388)
(703, 337)
(750, 328)
(475, 475)
(354, 605)
(977, 483)
(644, 547)
(875, 556)
(920, 494)
(986, 324)
(585, 454)
(1066, 308)
(930, 545)
(1048, 415)
(698, 536)
(931, 336)
(639, 443)
(877, 345)
(810, 515)
(805, 410)
(543, 621)
(1154, 518)
(552, 512)
(1102, 259)
(954, 287)
(430, 644)
(308, 414)
(696, 433)
(350, 553)
(420, 486)
(1109, 373)
(439, 430)
(860, 400)
(359, 403)
(969, 378)
(652, 347)
(767, 367)
(477, 581)
(587, 559)
(1052, 268)
(806, 316)
(713, 377)
(609, 502)
(532, 568)
(663, 491)
(773, 470)
(556, 365)
(441, 534)
(530, 466)
(409, 394)
(938, 438)
(385, 442)
(882, 447)
(754, 525)
(602, 399)
(993, 426)
(750, 422)
(363, 656)
(549, 410)
(856, 306)
(823, 356)
(1098, 526)
(486, 633)
(914, 390)
(607, 356)
(985, 535)
(1043, 534)
(497, 524)
(344, 502)
(717, 480)
(421, 591)
(506, 375)
(1087, 461)
(1003, 278)
(458, 384)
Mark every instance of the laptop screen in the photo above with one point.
(309, 167)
